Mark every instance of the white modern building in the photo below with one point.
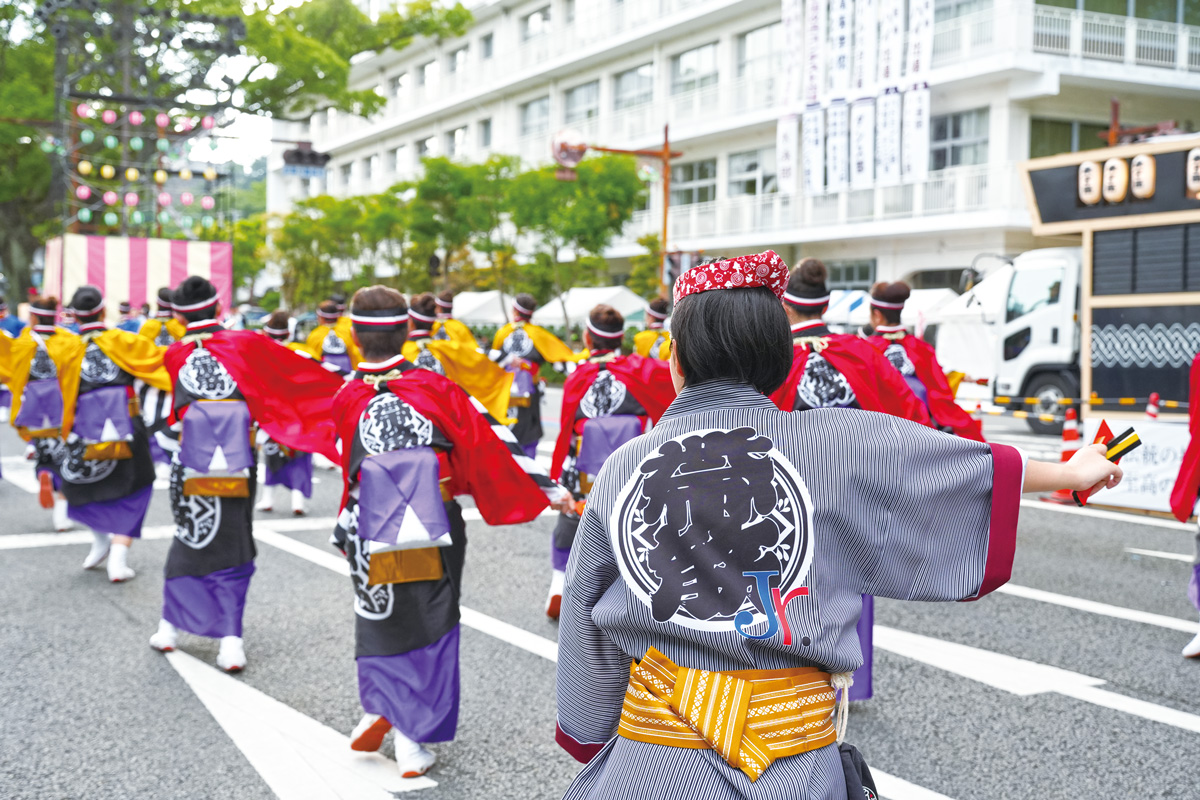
(1008, 79)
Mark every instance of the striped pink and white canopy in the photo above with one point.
(133, 269)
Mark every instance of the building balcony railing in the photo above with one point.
(945, 193)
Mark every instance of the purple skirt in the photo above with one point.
(296, 473)
(1194, 586)
(120, 517)
(862, 689)
(5, 397)
(417, 691)
(208, 605)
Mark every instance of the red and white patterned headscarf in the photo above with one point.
(744, 272)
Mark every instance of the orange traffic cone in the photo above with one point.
(1070, 444)
(1152, 406)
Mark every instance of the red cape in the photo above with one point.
(876, 383)
(647, 379)
(479, 464)
(942, 407)
(1183, 495)
(290, 397)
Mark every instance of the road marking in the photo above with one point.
(899, 789)
(297, 757)
(1023, 678)
(1137, 551)
(1096, 513)
(1104, 609)
(20, 541)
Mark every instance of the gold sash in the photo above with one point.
(108, 451)
(216, 487)
(750, 717)
(405, 566)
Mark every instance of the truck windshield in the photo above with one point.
(1033, 288)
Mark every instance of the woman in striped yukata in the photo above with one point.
(717, 574)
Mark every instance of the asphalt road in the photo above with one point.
(90, 711)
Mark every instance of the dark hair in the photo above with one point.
(164, 298)
(193, 290)
(895, 292)
(338, 299)
(526, 300)
(446, 296)
(44, 305)
(733, 334)
(608, 319)
(808, 281)
(385, 343)
(87, 303)
(660, 305)
(425, 305)
(144, 308)
(279, 321)
(330, 308)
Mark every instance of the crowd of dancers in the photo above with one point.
(416, 413)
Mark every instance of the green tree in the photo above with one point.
(645, 269)
(249, 250)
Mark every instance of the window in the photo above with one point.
(695, 182)
(752, 172)
(456, 140)
(949, 9)
(633, 87)
(396, 159)
(427, 74)
(457, 61)
(426, 146)
(694, 69)
(851, 274)
(397, 84)
(1032, 289)
(583, 102)
(535, 24)
(485, 132)
(569, 11)
(486, 42)
(759, 50)
(1049, 137)
(367, 167)
(535, 117)
(347, 174)
(958, 139)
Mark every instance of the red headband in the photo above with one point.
(744, 272)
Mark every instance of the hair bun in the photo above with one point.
(895, 292)
(812, 271)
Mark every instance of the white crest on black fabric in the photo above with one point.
(78, 470)
(896, 354)
(42, 367)
(388, 423)
(164, 338)
(823, 386)
(427, 360)
(700, 510)
(197, 517)
(518, 343)
(205, 377)
(333, 345)
(370, 602)
(603, 397)
(97, 368)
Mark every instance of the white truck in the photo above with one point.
(1018, 327)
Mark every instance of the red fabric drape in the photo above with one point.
(1183, 494)
(942, 407)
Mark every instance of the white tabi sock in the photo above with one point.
(232, 655)
(297, 502)
(61, 521)
(411, 757)
(119, 570)
(1192, 650)
(554, 598)
(267, 501)
(101, 542)
(165, 639)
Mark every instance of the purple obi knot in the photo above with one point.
(918, 389)
(339, 360)
(216, 437)
(102, 415)
(41, 405)
(603, 435)
(400, 499)
(522, 385)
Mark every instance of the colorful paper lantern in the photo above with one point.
(109, 116)
(136, 118)
(111, 218)
(87, 136)
(164, 217)
(186, 198)
(210, 174)
(131, 199)
(207, 123)
(207, 203)
(132, 174)
(206, 221)
(85, 215)
(162, 120)
(84, 167)
(185, 221)
(111, 142)
(107, 172)
(136, 218)
(110, 198)
(47, 145)
(83, 111)
(164, 199)
(163, 145)
(160, 176)
(136, 143)
(83, 192)
(185, 174)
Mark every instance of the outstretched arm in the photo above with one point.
(1087, 469)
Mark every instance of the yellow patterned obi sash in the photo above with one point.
(750, 717)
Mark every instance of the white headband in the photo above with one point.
(604, 334)
(651, 312)
(805, 301)
(883, 304)
(267, 329)
(421, 317)
(203, 304)
(358, 320)
(527, 312)
(443, 303)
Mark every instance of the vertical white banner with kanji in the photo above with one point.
(787, 154)
(841, 34)
(915, 159)
(814, 51)
(862, 144)
(837, 147)
(793, 55)
(887, 138)
(891, 44)
(920, 40)
(812, 150)
(866, 49)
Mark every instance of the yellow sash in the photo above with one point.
(344, 329)
(644, 341)
(552, 349)
(750, 717)
(455, 330)
(477, 374)
(137, 355)
(151, 327)
(66, 350)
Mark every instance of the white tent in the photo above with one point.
(581, 300)
(480, 308)
(851, 310)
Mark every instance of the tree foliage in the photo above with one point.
(646, 268)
